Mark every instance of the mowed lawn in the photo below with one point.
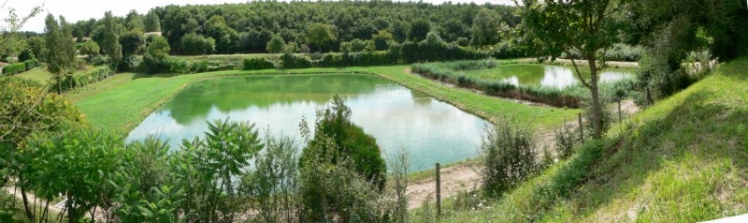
(121, 102)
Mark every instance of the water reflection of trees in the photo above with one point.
(233, 93)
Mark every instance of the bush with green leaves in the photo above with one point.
(291, 61)
(342, 167)
(257, 63)
(30, 64)
(274, 182)
(14, 68)
(510, 157)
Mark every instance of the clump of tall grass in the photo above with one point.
(510, 157)
(546, 95)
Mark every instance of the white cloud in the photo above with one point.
(75, 10)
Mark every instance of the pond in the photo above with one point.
(400, 119)
(544, 75)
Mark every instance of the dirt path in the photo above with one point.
(32, 198)
(454, 180)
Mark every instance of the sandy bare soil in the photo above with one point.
(454, 179)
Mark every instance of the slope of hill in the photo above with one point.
(682, 160)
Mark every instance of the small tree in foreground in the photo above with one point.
(342, 169)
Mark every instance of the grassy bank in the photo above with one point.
(122, 101)
(683, 160)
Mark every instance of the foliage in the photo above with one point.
(382, 39)
(567, 138)
(14, 68)
(27, 108)
(30, 64)
(60, 58)
(87, 78)
(418, 30)
(194, 44)
(486, 28)
(510, 157)
(132, 43)
(152, 22)
(156, 53)
(111, 44)
(257, 63)
(276, 44)
(356, 46)
(585, 26)
(319, 34)
(90, 48)
(63, 165)
(273, 183)
(292, 61)
(38, 47)
(350, 142)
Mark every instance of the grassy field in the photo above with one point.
(38, 74)
(683, 160)
(41, 75)
(123, 100)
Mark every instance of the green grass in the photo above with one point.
(124, 100)
(38, 74)
(683, 160)
(41, 75)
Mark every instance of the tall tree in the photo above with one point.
(399, 31)
(584, 26)
(134, 21)
(60, 56)
(152, 22)
(111, 41)
(319, 34)
(419, 29)
(486, 28)
(276, 44)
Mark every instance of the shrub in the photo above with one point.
(566, 139)
(14, 68)
(342, 169)
(175, 66)
(291, 61)
(257, 63)
(30, 64)
(509, 157)
(89, 77)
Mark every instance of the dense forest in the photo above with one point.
(248, 27)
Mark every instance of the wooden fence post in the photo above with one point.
(620, 117)
(438, 191)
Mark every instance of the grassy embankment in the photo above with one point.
(683, 160)
(123, 100)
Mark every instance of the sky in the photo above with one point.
(75, 10)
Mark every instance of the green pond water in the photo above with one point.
(428, 130)
(544, 75)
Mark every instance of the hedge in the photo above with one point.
(257, 63)
(30, 64)
(14, 68)
(90, 77)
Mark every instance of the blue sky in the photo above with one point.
(75, 10)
